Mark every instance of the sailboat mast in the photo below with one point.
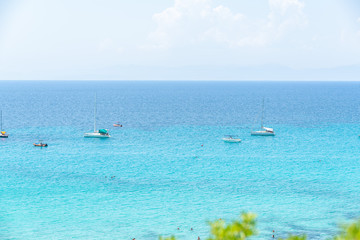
(95, 115)
(262, 113)
(1, 119)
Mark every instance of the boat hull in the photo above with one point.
(231, 140)
(262, 133)
(96, 135)
(40, 145)
(4, 136)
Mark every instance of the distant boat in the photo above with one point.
(2, 133)
(231, 139)
(117, 124)
(265, 131)
(40, 144)
(101, 133)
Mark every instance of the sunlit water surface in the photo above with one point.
(168, 168)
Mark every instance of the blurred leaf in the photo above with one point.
(349, 232)
(246, 227)
(168, 238)
(236, 230)
(291, 237)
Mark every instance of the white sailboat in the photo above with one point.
(101, 133)
(265, 131)
(3, 134)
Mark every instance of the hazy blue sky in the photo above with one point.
(180, 39)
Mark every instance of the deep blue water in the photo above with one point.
(306, 179)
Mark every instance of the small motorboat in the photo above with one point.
(231, 139)
(117, 124)
(40, 144)
(3, 134)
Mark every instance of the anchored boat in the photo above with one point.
(40, 144)
(265, 131)
(117, 124)
(102, 133)
(3, 134)
(231, 139)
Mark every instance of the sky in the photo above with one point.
(180, 40)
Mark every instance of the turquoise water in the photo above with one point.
(304, 180)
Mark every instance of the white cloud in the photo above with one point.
(198, 21)
(284, 16)
(285, 5)
(90, 37)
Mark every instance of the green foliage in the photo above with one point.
(246, 227)
(291, 237)
(168, 238)
(236, 230)
(349, 232)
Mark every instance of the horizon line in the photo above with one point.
(164, 80)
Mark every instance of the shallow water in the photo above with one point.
(304, 180)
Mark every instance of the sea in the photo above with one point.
(167, 171)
